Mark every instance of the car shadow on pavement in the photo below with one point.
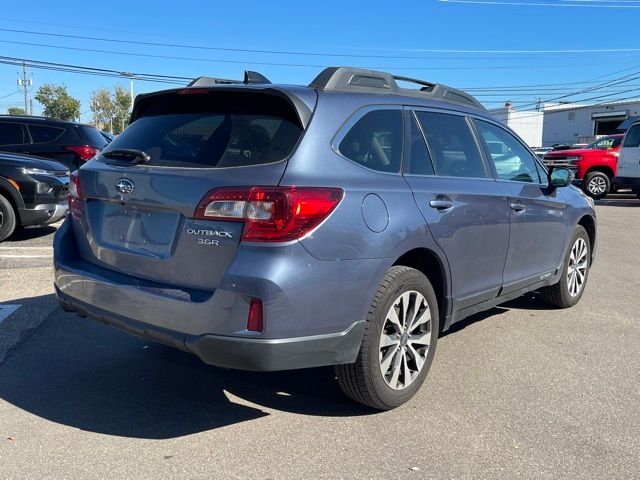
(81, 373)
(30, 233)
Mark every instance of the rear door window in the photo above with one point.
(214, 130)
(44, 134)
(375, 140)
(453, 149)
(12, 134)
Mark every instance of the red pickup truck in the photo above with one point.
(594, 165)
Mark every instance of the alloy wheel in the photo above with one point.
(577, 271)
(597, 185)
(405, 339)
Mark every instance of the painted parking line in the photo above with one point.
(25, 256)
(6, 310)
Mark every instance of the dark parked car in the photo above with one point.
(347, 223)
(66, 142)
(33, 191)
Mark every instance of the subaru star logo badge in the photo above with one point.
(124, 186)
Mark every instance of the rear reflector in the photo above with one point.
(85, 152)
(255, 322)
(270, 214)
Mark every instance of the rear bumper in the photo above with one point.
(314, 309)
(43, 214)
(239, 353)
(627, 181)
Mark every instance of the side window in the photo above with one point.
(453, 149)
(12, 134)
(632, 138)
(44, 134)
(510, 158)
(375, 141)
(418, 161)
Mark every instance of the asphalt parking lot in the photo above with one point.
(520, 391)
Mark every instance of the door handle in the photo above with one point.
(441, 203)
(517, 207)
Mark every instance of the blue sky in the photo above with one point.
(466, 43)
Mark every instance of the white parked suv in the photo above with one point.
(629, 160)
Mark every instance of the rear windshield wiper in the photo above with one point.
(127, 155)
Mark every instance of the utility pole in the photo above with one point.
(130, 76)
(25, 82)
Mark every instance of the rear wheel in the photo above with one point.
(569, 289)
(597, 184)
(399, 342)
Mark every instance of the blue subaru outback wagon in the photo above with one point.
(347, 223)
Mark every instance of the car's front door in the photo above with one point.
(464, 208)
(629, 160)
(538, 214)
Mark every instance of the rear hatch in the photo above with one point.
(139, 207)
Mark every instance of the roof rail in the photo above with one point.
(250, 78)
(348, 79)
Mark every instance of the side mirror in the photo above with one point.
(560, 177)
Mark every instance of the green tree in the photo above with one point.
(57, 102)
(16, 111)
(111, 109)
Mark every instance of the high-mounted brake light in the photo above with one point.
(270, 214)
(85, 152)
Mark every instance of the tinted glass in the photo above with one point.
(632, 138)
(11, 134)
(453, 149)
(418, 161)
(511, 159)
(44, 134)
(606, 142)
(210, 139)
(375, 141)
(93, 137)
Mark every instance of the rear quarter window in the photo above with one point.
(45, 134)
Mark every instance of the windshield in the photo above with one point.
(605, 143)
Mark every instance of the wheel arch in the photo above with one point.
(589, 224)
(434, 268)
(8, 191)
(608, 171)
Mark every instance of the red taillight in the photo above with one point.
(85, 152)
(271, 214)
(74, 195)
(255, 322)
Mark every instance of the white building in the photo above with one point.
(571, 123)
(528, 124)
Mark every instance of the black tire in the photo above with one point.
(363, 381)
(596, 184)
(558, 295)
(7, 219)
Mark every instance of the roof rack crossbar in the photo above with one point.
(348, 79)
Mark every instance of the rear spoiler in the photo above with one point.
(303, 101)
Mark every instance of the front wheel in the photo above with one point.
(569, 289)
(7, 219)
(398, 344)
(597, 184)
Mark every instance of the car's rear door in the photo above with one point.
(139, 217)
(538, 223)
(462, 205)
